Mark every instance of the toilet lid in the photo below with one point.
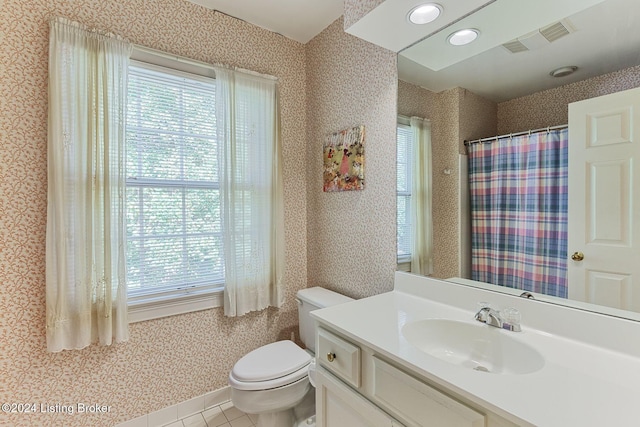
(271, 361)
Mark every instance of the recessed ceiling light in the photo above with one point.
(462, 37)
(425, 13)
(563, 71)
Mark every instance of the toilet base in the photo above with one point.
(306, 408)
(302, 415)
(276, 419)
(309, 422)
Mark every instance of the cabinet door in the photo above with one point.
(417, 403)
(337, 406)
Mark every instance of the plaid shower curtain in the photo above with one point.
(518, 189)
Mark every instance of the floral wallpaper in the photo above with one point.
(550, 107)
(456, 114)
(354, 10)
(351, 235)
(168, 360)
(415, 100)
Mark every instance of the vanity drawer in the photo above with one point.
(418, 404)
(339, 356)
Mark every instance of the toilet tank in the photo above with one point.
(312, 299)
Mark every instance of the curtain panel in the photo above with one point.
(86, 299)
(519, 195)
(421, 199)
(251, 189)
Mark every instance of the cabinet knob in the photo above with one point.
(331, 357)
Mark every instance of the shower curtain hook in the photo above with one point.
(548, 129)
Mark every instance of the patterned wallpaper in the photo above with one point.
(456, 115)
(445, 133)
(354, 10)
(351, 235)
(168, 360)
(478, 117)
(415, 100)
(550, 107)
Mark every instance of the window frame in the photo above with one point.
(404, 261)
(169, 302)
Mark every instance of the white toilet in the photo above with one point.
(273, 381)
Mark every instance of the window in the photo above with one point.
(174, 240)
(404, 178)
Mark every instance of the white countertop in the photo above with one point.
(580, 384)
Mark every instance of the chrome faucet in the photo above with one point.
(508, 319)
(489, 316)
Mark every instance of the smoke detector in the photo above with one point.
(563, 71)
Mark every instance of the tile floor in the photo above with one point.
(224, 415)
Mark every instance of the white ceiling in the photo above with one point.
(498, 23)
(606, 38)
(299, 20)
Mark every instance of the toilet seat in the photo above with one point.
(271, 366)
(299, 375)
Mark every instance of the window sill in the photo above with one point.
(403, 263)
(155, 308)
(404, 266)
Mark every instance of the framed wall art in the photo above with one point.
(343, 154)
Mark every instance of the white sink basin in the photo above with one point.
(479, 347)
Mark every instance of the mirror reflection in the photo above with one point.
(509, 88)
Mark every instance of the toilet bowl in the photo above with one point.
(272, 381)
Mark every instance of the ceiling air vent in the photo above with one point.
(515, 46)
(558, 30)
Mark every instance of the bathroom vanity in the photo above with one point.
(416, 357)
(387, 394)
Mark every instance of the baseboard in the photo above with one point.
(180, 410)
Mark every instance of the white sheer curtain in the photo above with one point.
(421, 212)
(85, 245)
(247, 121)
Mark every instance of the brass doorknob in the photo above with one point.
(331, 357)
(577, 256)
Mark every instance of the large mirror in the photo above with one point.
(504, 85)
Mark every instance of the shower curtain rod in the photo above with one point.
(527, 132)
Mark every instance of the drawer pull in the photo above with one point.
(331, 357)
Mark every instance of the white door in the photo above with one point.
(604, 199)
(337, 405)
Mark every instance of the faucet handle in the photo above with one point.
(483, 304)
(485, 312)
(511, 319)
(484, 307)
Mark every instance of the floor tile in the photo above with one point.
(223, 415)
(214, 417)
(243, 421)
(230, 411)
(196, 420)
